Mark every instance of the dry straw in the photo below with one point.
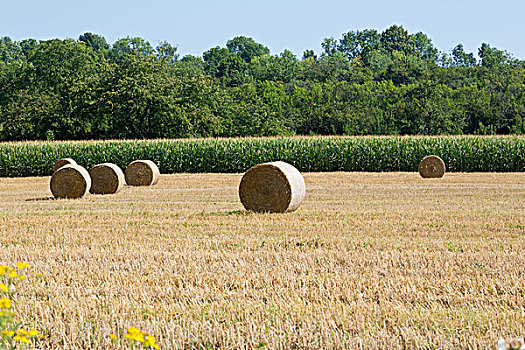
(70, 181)
(142, 173)
(61, 162)
(432, 167)
(106, 178)
(275, 187)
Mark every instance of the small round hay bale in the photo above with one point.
(142, 173)
(275, 187)
(61, 162)
(70, 181)
(432, 167)
(106, 178)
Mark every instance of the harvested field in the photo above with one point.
(378, 260)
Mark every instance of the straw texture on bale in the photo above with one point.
(432, 167)
(142, 173)
(61, 162)
(106, 178)
(70, 181)
(275, 187)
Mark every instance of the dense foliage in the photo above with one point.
(236, 155)
(366, 82)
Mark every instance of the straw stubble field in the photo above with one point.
(372, 260)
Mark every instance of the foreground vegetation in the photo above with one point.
(372, 260)
(365, 82)
(376, 154)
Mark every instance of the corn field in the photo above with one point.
(309, 154)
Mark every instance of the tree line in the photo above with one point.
(363, 83)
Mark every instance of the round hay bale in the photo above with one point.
(61, 162)
(106, 178)
(432, 167)
(142, 173)
(275, 187)
(70, 181)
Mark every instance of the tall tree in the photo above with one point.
(131, 46)
(10, 51)
(95, 41)
(462, 59)
(491, 57)
(329, 46)
(167, 52)
(223, 64)
(397, 39)
(425, 48)
(309, 54)
(246, 48)
(359, 44)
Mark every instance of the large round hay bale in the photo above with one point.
(70, 181)
(61, 162)
(106, 178)
(432, 167)
(275, 187)
(142, 173)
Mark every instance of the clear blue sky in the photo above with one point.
(194, 26)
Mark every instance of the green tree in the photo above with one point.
(405, 69)
(192, 65)
(462, 59)
(130, 46)
(261, 109)
(429, 109)
(329, 46)
(424, 47)
(10, 51)
(28, 47)
(284, 68)
(145, 98)
(492, 57)
(167, 52)
(359, 44)
(226, 66)
(59, 77)
(95, 41)
(246, 48)
(309, 55)
(397, 39)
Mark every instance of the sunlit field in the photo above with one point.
(370, 260)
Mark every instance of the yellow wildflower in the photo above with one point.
(5, 333)
(22, 265)
(113, 336)
(22, 331)
(22, 277)
(135, 336)
(3, 270)
(21, 339)
(150, 341)
(13, 274)
(5, 303)
(3, 287)
(134, 330)
(33, 333)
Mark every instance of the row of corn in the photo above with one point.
(309, 154)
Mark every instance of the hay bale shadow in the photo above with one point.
(41, 199)
(224, 213)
